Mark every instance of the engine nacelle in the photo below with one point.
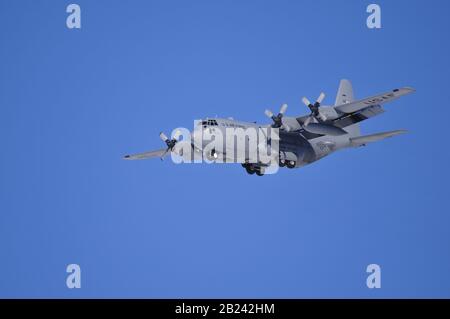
(328, 113)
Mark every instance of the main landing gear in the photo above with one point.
(258, 170)
(288, 164)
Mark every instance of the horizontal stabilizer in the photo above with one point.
(362, 140)
(152, 154)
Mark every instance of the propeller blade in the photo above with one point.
(268, 113)
(163, 136)
(283, 108)
(323, 129)
(320, 98)
(177, 134)
(308, 120)
(164, 154)
(306, 101)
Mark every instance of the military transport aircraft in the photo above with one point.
(304, 139)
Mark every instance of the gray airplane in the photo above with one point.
(302, 140)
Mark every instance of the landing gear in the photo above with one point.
(290, 164)
(259, 173)
(253, 169)
(287, 159)
(249, 170)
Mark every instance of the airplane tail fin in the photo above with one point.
(345, 95)
(363, 140)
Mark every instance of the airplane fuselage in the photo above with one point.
(295, 149)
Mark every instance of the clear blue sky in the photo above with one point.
(73, 102)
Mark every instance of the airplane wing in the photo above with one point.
(152, 154)
(358, 116)
(363, 140)
(373, 100)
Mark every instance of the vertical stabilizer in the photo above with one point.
(345, 95)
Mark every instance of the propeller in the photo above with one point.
(169, 142)
(277, 123)
(313, 123)
(315, 114)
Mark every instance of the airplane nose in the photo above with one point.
(196, 135)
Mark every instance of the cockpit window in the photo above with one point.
(209, 123)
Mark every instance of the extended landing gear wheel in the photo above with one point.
(282, 163)
(250, 171)
(290, 164)
(259, 171)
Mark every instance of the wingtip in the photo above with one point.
(399, 132)
(405, 88)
